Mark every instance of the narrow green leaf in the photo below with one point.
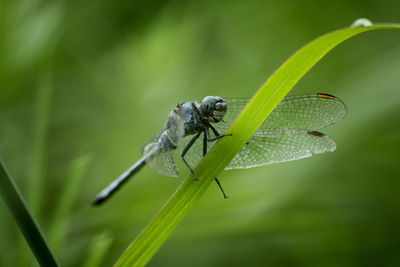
(23, 217)
(36, 170)
(248, 121)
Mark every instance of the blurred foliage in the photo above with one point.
(84, 85)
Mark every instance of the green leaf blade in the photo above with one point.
(23, 217)
(255, 112)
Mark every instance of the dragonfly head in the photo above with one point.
(213, 108)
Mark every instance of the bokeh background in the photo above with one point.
(84, 84)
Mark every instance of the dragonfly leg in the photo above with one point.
(204, 153)
(217, 135)
(220, 187)
(204, 144)
(186, 149)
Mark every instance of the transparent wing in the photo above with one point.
(269, 147)
(174, 127)
(161, 162)
(274, 146)
(299, 112)
(306, 112)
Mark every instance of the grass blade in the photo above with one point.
(256, 111)
(26, 222)
(36, 173)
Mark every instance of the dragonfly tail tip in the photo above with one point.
(98, 201)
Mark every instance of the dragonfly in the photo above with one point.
(289, 133)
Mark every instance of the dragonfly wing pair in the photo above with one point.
(289, 133)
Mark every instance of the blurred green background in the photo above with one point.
(84, 84)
